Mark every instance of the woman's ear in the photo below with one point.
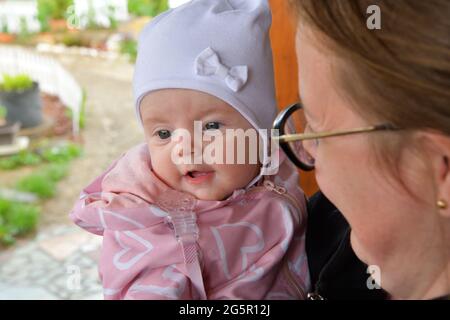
(439, 155)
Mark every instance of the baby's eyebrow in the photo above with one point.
(215, 111)
(161, 118)
(212, 115)
(154, 118)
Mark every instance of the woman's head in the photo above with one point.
(385, 183)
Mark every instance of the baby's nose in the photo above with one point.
(190, 150)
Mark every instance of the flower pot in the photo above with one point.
(6, 37)
(8, 133)
(23, 106)
(57, 25)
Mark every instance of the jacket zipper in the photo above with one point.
(288, 273)
(269, 185)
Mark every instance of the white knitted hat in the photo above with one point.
(220, 47)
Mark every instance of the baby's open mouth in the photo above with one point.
(194, 174)
(197, 177)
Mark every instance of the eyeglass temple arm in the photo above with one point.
(312, 136)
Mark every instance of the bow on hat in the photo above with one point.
(208, 63)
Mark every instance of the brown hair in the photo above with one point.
(398, 74)
(404, 67)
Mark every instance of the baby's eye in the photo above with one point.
(163, 134)
(214, 125)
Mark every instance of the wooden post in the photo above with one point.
(282, 36)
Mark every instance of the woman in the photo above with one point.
(377, 132)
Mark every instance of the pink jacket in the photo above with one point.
(162, 244)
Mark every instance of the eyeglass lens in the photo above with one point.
(296, 123)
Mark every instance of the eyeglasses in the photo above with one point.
(295, 145)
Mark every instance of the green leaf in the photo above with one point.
(23, 158)
(40, 184)
(3, 112)
(18, 82)
(22, 218)
(56, 172)
(147, 7)
(6, 236)
(9, 163)
(62, 153)
(16, 219)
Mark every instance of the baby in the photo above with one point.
(178, 220)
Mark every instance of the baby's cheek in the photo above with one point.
(162, 165)
(215, 151)
(236, 176)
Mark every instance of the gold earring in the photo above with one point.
(442, 204)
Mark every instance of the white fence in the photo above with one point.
(13, 13)
(52, 77)
(101, 11)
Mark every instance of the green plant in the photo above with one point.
(22, 218)
(56, 171)
(39, 184)
(43, 183)
(59, 154)
(8, 164)
(23, 158)
(147, 7)
(24, 35)
(82, 121)
(20, 82)
(23, 28)
(3, 112)
(45, 10)
(51, 9)
(4, 23)
(129, 47)
(61, 8)
(91, 22)
(72, 40)
(6, 235)
(16, 219)
(113, 24)
(62, 153)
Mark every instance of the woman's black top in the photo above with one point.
(336, 272)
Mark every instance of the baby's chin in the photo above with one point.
(209, 195)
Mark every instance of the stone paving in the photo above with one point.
(59, 263)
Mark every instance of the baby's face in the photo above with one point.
(164, 111)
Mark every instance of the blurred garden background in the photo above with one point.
(66, 111)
